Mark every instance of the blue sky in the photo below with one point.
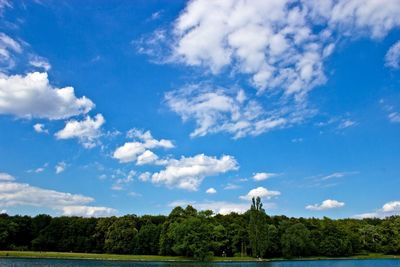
(120, 107)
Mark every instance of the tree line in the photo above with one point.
(202, 234)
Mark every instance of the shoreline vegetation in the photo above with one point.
(188, 234)
(158, 258)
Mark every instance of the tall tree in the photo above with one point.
(257, 228)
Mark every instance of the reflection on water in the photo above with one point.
(99, 263)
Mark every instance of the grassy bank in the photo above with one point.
(71, 255)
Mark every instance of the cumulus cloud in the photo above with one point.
(326, 205)
(145, 176)
(261, 176)
(392, 57)
(261, 192)
(20, 194)
(189, 172)
(32, 96)
(40, 128)
(282, 54)
(221, 110)
(86, 131)
(139, 150)
(211, 190)
(283, 51)
(60, 167)
(388, 209)
(6, 177)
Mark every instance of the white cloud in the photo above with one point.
(146, 157)
(283, 54)
(337, 175)
(6, 177)
(40, 128)
(326, 205)
(394, 117)
(392, 57)
(88, 211)
(220, 110)
(282, 51)
(86, 131)
(211, 190)
(39, 62)
(39, 170)
(346, 124)
(123, 180)
(391, 208)
(60, 167)
(261, 176)
(21, 194)
(144, 177)
(3, 211)
(231, 186)
(189, 172)
(218, 207)
(32, 96)
(261, 192)
(8, 47)
(222, 207)
(139, 150)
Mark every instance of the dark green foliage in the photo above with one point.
(122, 236)
(200, 234)
(257, 229)
(296, 241)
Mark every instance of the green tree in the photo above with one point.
(296, 241)
(257, 230)
(121, 236)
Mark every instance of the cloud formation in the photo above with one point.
(283, 51)
(261, 176)
(17, 194)
(8, 47)
(60, 167)
(32, 96)
(40, 128)
(139, 150)
(392, 57)
(189, 172)
(261, 192)
(87, 131)
(326, 205)
(390, 208)
(218, 110)
(211, 190)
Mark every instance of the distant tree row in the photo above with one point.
(201, 234)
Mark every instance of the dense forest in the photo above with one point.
(202, 234)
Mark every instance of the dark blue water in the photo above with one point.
(99, 263)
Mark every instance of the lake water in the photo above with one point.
(99, 263)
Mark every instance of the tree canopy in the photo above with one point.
(202, 234)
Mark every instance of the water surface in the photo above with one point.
(10, 262)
